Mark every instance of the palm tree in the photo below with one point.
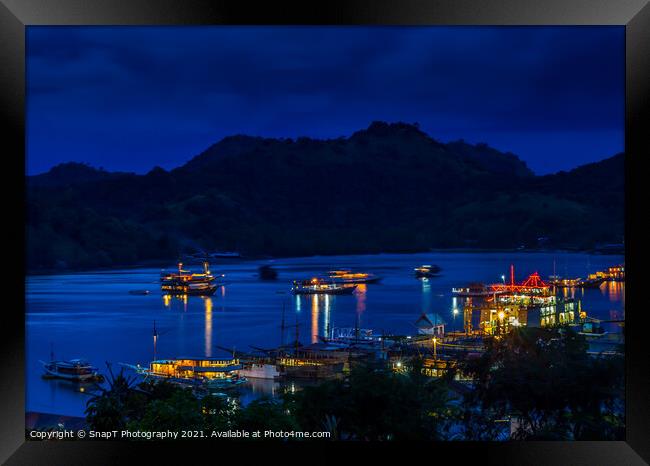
(111, 408)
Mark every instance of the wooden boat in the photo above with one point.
(266, 272)
(303, 368)
(426, 271)
(210, 372)
(184, 282)
(349, 277)
(319, 286)
(593, 282)
(473, 290)
(78, 370)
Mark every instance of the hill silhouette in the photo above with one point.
(389, 187)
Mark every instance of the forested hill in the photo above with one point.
(389, 187)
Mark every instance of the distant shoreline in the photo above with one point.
(264, 259)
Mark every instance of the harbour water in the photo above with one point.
(92, 315)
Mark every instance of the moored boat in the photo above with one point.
(185, 282)
(426, 271)
(347, 276)
(320, 286)
(473, 290)
(74, 369)
(592, 282)
(213, 372)
(266, 272)
(259, 371)
(616, 273)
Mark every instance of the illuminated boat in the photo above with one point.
(292, 367)
(75, 369)
(211, 372)
(591, 282)
(426, 271)
(616, 273)
(320, 286)
(474, 290)
(347, 276)
(184, 282)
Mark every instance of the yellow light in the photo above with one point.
(501, 315)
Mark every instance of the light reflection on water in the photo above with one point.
(92, 315)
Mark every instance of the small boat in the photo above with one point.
(473, 290)
(259, 371)
(139, 292)
(266, 272)
(225, 255)
(426, 271)
(320, 286)
(347, 276)
(594, 282)
(559, 282)
(75, 369)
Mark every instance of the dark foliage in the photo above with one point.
(387, 188)
(547, 382)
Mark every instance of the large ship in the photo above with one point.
(320, 286)
(185, 282)
(347, 276)
(211, 372)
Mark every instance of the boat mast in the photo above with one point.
(297, 335)
(282, 327)
(155, 339)
(356, 328)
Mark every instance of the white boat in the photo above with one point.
(74, 369)
(260, 371)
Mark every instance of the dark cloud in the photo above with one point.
(130, 98)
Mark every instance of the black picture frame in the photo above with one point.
(15, 15)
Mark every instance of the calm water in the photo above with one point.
(92, 315)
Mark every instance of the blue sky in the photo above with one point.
(131, 98)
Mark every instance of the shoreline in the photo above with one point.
(265, 259)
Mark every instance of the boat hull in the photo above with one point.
(266, 371)
(207, 291)
(336, 291)
(52, 372)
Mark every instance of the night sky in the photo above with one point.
(131, 98)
